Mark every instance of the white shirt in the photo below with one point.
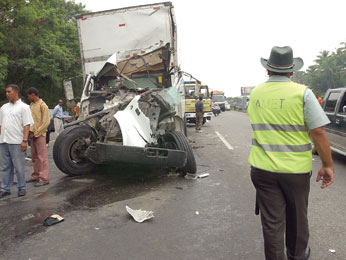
(13, 118)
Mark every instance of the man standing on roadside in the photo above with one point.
(199, 113)
(282, 114)
(58, 115)
(37, 136)
(15, 121)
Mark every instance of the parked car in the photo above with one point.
(334, 105)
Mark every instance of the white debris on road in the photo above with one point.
(203, 175)
(140, 215)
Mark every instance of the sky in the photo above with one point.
(220, 42)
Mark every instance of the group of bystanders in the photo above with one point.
(21, 125)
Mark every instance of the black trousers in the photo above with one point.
(283, 201)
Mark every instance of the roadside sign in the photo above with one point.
(245, 91)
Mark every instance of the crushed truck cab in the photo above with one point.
(131, 110)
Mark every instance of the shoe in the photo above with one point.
(31, 180)
(4, 193)
(21, 193)
(39, 184)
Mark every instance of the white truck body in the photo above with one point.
(134, 29)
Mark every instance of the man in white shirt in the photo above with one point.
(58, 115)
(15, 121)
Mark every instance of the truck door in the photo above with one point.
(340, 123)
(330, 108)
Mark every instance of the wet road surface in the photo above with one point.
(210, 218)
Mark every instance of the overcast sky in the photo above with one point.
(220, 42)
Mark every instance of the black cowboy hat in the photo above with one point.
(281, 60)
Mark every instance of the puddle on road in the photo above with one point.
(112, 185)
(109, 184)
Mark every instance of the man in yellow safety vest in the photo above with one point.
(282, 115)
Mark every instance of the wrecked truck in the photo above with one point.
(131, 108)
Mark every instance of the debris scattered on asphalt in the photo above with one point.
(203, 175)
(28, 159)
(332, 251)
(190, 176)
(197, 212)
(140, 215)
(52, 220)
(220, 170)
(29, 216)
(179, 188)
(97, 228)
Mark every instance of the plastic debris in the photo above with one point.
(52, 220)
(332, 251)
(97, 228)
(140, 215)
(203, 175)
(197, 212)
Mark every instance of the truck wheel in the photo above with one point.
(177, 141)
(69, 149)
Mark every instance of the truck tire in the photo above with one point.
(177, 141)
(69, 148)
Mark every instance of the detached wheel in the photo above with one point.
(178, 141)
(69, 150)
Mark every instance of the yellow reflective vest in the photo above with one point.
(280, 140)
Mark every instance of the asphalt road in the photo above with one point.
(209, 218)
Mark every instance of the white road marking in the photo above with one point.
(224, 140)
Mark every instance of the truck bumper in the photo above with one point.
(107, 153)
(193, 115)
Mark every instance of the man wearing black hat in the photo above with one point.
(282, 115)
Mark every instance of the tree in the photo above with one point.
(41, 47)
(329, 71)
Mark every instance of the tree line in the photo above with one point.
(328, 71)
(39, 46)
